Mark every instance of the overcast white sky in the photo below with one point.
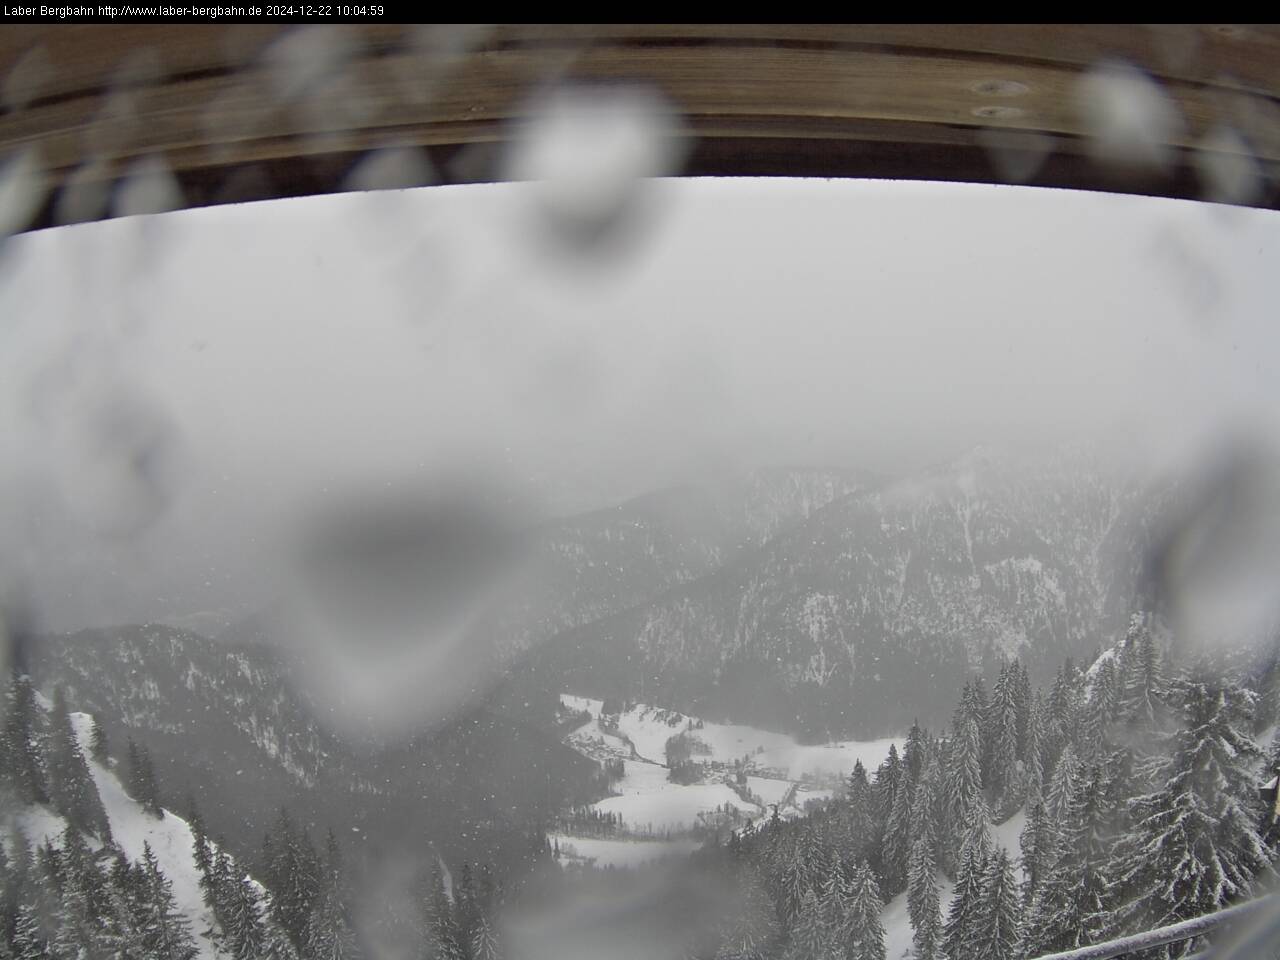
(265, 354)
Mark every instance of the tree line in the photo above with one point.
(82, 898)
(1140, 793)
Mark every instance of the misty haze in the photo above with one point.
(788, 569)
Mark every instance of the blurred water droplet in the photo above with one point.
(475, 162)
(17, 626)
(1189, 272)
(6, 653)
(446, 40)
(1255, 936)
(1178, 46)
(338, 103)
(424, 277)
(1217, 564)
(1228, 168)
(306, 57)
(149, 187)
(140, 68)
(1017, 155)
(116, 468)
(589, 149)
(1256, 118)
(665, 913)
(1129, 118)
(22, 190)
(116, 126)
(383, 612)
(246, 183)
(232, 114)
(27, 79)
(84, 195)
(433, 52)
(392, 168)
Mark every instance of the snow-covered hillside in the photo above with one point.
(170, 839)
(852, 619)
(225, 722)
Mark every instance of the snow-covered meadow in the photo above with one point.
(648, 728)
(780, 771)
(604, 851)
(655, 811)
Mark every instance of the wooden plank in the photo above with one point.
(84, 57)
(802, 84)
(206, 99)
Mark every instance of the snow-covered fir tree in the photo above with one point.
(1195, 844)
(1004, 784)
(884, 789)
(963, 786)
(926, 807)
(71, 901)
(857, 810)
(995, 926)
(293, 877)
(897, 838)
(23, 766)
(1087, 876)
(959, 932)
(98, 748)
(71, 786)
(749, 931)
(859, 933)
(443, 939)
(1062, 714)
(914, 752)
(1033, 774)
(329, 935)
(1064, 783)
(1141, 683)
(922, 901)
(141, 779)
(164, 933)
(27, 942)
(794, 885)
(1038, 842)
(244, 932)
(1100, 707)
(812, 937)
(484, 940)
(1070, 906)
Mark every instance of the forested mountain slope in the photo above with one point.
(843, 623)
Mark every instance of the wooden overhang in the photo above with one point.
(980, 103)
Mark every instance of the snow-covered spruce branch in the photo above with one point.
(1174, 933)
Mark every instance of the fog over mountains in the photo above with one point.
(846, 619)
(823, 603)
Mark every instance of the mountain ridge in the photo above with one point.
(983, 557)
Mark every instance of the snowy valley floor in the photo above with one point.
(659, 817)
